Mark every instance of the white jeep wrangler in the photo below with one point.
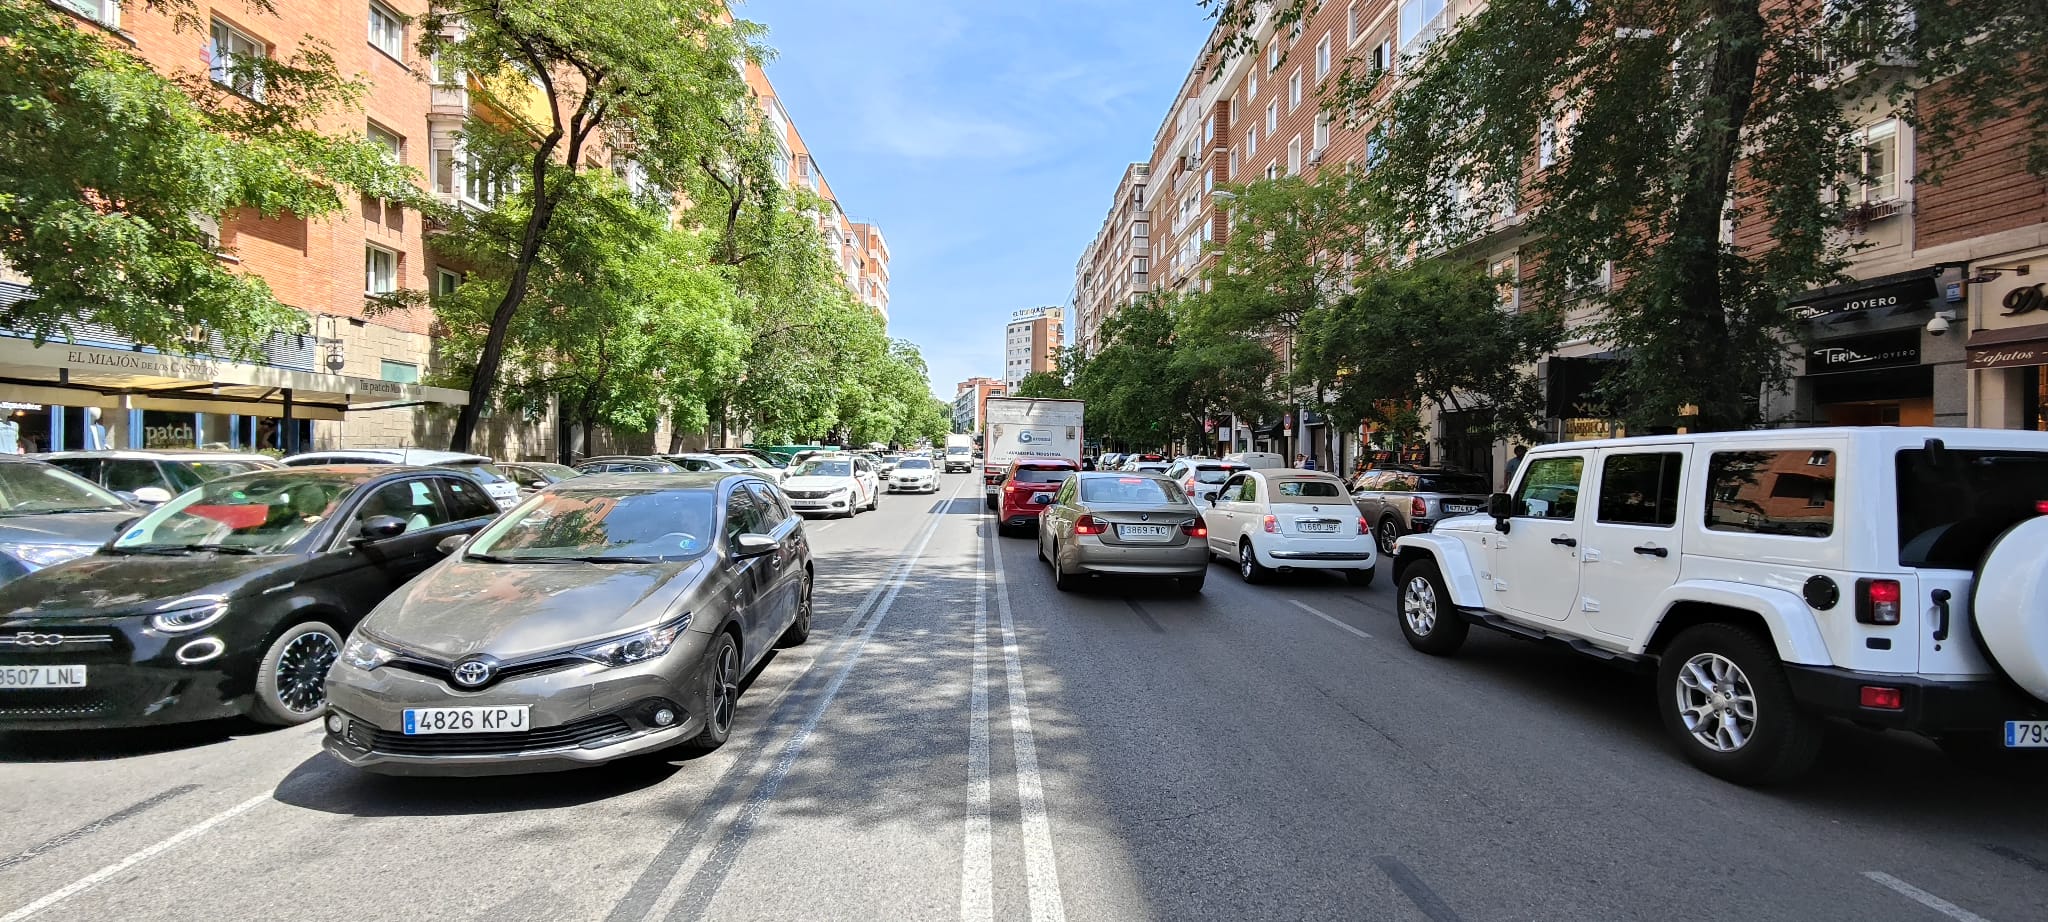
(1897, 578)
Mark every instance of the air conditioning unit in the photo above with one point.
(1194, 161)
(1315, 156)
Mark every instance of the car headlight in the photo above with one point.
(189, 614)
(47, 555)
(366, 654)
(635, 648)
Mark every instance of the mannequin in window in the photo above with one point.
(95, 431)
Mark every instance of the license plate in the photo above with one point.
(1141, 531)
(1460, 510)
(2026, 734)
(1317, 528)
(430, 721)
(42, 676)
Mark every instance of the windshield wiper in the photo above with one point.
(500, 558)
(227, 549)
(160, 550)
(594, 558)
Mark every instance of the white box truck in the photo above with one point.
(959, 453)
(1027, 427)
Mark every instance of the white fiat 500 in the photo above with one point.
(1285, 519)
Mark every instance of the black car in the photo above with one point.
(231, 599)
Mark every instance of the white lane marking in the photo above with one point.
(1304, 607)
(750, 811)
(94, 879)
(977, 850)
(1041, 873)
(1924, 898)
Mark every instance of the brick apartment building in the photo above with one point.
(970, 402)
(352, 379)
(1116, 266)
(1032, 341)
(1972, 249)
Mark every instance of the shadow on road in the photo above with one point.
(102, 745)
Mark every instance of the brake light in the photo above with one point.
(1089, 525)
(1272, 525)
(1363, 528)
(1877, 601)
(1882, 698)
(1012, 486)
(1418, 508)
(1196, 528)
(2041, 507)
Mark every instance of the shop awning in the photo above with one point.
(2013, 347)
(55, 373)
(1900, 291)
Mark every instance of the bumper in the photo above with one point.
(905, 486)
(1346, 554)
(1088, 554)
(837, 504)
(1930, 707)
(136, 681)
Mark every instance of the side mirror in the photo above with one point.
(379, 528)
(1502, 507)
(752, 545)
(538, 484)
(152, 496)
(451, 544)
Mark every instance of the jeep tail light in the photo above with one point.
(2041, 506)
(1877, 601)
(1090, 525)
(1882, 698)
(1196, 528)
(1418, 508)
(1272, 525)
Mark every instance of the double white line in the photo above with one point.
(977, 866)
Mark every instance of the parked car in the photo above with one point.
(1886, 576)
(1123, 525)
(1256, 460)
(834, 484)
(1201, 478)
(500, 487)
(887, 462)
(529, 476)
(231, 599)
(537, 647)
(1145, 462)
(49, 515)
(740, 462)
(1401, 500)
(1026, 489)
(627, 464)
(1286, 519)
(152, 477)
(914, 475)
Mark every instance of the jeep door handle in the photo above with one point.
(1650, 551)
(1564, 541)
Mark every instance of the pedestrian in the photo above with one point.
(1514, 463)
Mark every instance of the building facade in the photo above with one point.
(1032, 341)
(1116, 267)
(970, 403)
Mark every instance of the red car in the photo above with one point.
(1028, 487)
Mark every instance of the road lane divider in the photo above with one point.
(100, 876)
(1041, 869)
(1304, 606)
(1923, 897)
(977, 848)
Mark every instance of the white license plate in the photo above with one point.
(1142, 531)
(2026, 734)
(430, 721)
(1460, 510)
(42, 676)
(1317, 528)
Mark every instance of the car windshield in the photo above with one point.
(1142, 490)
(1954, 503)
(1454, 483)
(1044, 474)
(1307, 491)
(596, 524)
(818, 467)
(261, 512)
(39, 489)
(215, 470)
(914, 464)
(1216, 474)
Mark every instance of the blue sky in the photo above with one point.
(985, 137)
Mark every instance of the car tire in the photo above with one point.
(1061, 579)
(800, 628)
(1361, 578)
(720, 698)
(1191, 585)
(1041, 549)
(1388, 532)
(1429, 621)
(989, 500)
(1248, 565)
(291, 679)
(1719, 667)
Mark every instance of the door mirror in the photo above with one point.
(379, 528)
(152, 496)
(537, 484)
(451, 544)
(1502, 507)
(752, 545)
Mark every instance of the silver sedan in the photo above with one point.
(1123, 525)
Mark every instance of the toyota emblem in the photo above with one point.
(472, 673)
(32, 639)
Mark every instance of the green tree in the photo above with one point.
(113, 175)
(1158, 377)
(1043, 384)
(656, 82)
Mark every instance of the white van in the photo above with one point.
(1256, 460)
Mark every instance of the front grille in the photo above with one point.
(440, 673)
(808, 494)
(583, 733)
(52, 703)
(34, 641)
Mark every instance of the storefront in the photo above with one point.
(1875, 379)
(1571, 396)
(59, 397)
(1871, 359)
(2008, 342)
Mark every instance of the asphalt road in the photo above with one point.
(960, 741)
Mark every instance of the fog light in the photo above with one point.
(1887, 699)
(335, 724)
(664, 717)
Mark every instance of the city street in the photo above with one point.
(959, 740)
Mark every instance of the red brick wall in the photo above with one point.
(1987, 191)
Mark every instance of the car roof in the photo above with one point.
(1048, 462)
(420, 456)
(160, 454)
(1291, 473)
(651, 483)
(1903, 436)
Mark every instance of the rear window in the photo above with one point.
(1789, 493)
(1127, 490)
(1044, 474)
(1954, 503)
(1455, 483)
(1214, 474)
(1307, 491)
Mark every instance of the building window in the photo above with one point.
(227, 55)
(1272, 171)
(1351, 24)
(1322, 140)
(380, 270)
(1878, 147)
(1272, 117)
(1294, 91)
(1273, 56)
(391, 144)
(1420, 20)
(1546, 143)
(400, 372)
(1251, 142)
(1323, 58)
(387, 30)
(104, 12)
(444, 170)
(1233, 164)
(1506, 272)
(446, 281)
(1294, 156)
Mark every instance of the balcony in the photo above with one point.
(449, 100)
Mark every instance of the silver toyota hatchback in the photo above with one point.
(609, 616)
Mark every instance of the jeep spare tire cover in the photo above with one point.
(2011, 605)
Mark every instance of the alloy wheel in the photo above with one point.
(302, 671)
(1389, 532)
(1716, 702)
(725, 690)
(1245, 563)
(1418, 606)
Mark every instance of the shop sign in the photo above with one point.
(1911, 295)
(2017, 354)
(176, 435)
(12, 405)
(1586, 430)
(1895, 349)
(2021, 302)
